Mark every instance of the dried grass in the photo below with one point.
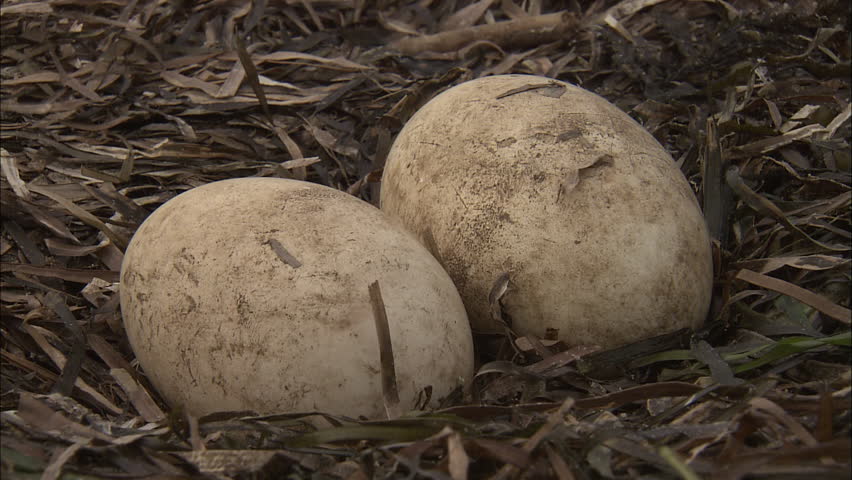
(110, 109)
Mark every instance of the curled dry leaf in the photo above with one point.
(824, 305)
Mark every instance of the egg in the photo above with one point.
(551, 186)
(253, 294)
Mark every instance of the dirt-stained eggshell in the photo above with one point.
(597, 228)
(252, 294)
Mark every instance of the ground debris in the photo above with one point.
(109, 109)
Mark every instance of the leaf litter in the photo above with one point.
(108, 110)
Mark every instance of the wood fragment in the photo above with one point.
(525, 31)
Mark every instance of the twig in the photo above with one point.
(526, 31)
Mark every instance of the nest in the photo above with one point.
(109, 109)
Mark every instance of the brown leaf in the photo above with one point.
(43, 418)
(29, 366)
(58, 358)
(63, 249)
(180, 80)
(254, 81)
(230, 462)
(138, 396)
(50, 222)
(232, 82)
(390, 389)
(86, 217)
(717, 194)
(53, 471)
(553, 419)
(767, 145)
(25, 243)
(550, 89)
(639, 393)
(819, 302)
(763, 205)
(26, 8)
(68, 274)
(815, 262)
(466, 16)
(783, 417)
(10, 170)
(71, 369)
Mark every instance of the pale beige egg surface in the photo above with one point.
(253, 294)
(597, 228)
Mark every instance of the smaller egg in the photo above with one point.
(253, 294)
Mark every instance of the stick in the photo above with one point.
(525, 31)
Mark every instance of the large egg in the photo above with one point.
(253, 294)
(599, 232)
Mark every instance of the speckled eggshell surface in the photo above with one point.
(220, 320)
(599, 231)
